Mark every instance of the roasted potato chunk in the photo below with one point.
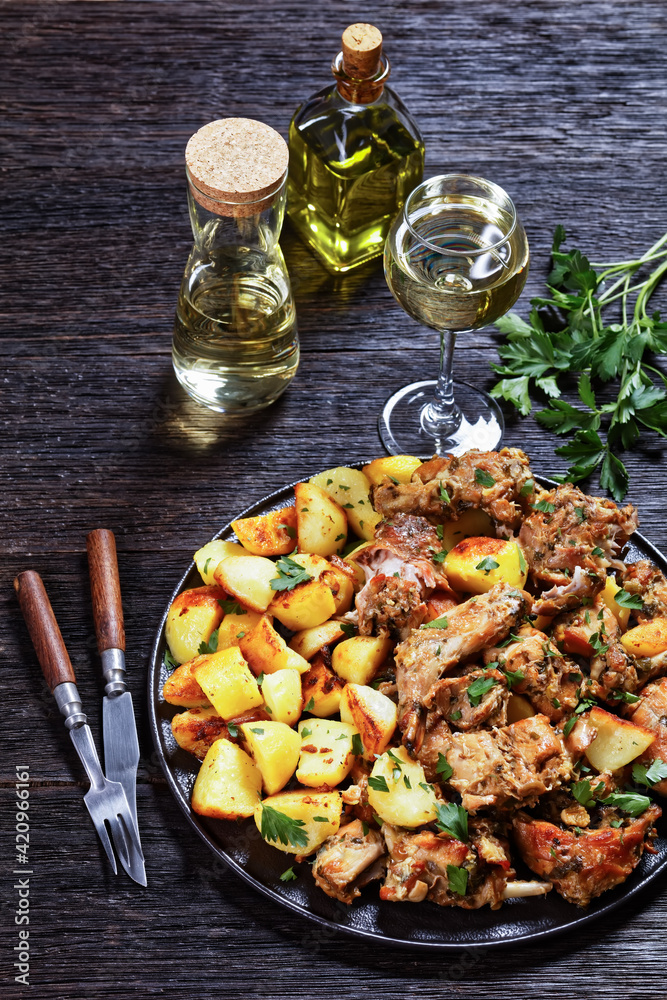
(227, 682)
(351, 489)
(321, 689)
(228, 784)
(282, 695)
(617, 741)
(373, 714)
(192, 618)
(275, 749)
(358, 659)
(326, 755)
(305, 819)
(397, 467)
(197, 730)
(266, 651)
(182, 687)
(269, 534)
(321, 522)
(209, 556)
(398, 792)
(312, 640)
(248, 579)
(476, 565)
(648, 639)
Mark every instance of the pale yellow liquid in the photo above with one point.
(454, 292)
(235, 345)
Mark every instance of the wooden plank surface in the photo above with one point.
(563, 104)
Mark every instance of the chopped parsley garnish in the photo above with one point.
(310, 706)
(487, 564)
(305, 733)
(527, 488)
(522, 560)
(514, 677)
(290, 574)
(484, 478)
(444, 495)
(457, 879)
(649, 776)
(406, 781)
(580, 514)
(348, 629)
(339, 538)
(436, 623)
(544, 506)
(455, 716)
(628, 802)
(232, 608)
(452, 819)
(278, 827)
(206, 565)
(357, 745)
(258, 732)
(169, 660)
(288, 875)
(288, 529)
(479, 688)
(625, 696)
(597, 551)
(582, 793)
(378, 783)
(232, 729)
(320, 819)
(206, 648)
(626, 600)
(444, 768)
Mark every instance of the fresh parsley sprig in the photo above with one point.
(290, 574)
(277, 826)
(536, 356)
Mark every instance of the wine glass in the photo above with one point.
(456, 258)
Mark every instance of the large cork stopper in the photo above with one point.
(235, 166)
(362, 50)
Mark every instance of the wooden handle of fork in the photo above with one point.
(43, 628)
(105, 589)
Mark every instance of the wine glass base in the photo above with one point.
(402, 432)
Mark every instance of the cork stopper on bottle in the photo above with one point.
(236, 166)
(362, 51)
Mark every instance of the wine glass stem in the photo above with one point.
(442, 416)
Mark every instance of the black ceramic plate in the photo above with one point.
(417, 926)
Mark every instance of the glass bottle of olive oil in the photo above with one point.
(355, 155)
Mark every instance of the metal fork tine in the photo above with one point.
(104, 837)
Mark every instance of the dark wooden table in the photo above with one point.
(561, 103)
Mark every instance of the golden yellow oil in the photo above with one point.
(351, 168)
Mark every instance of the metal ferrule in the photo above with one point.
(69, 703)
(113, 668)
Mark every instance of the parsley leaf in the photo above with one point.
(649, 776)
(479, 688)
(206, 648)
(288, 875)
(457, 880)
(544, 506)
(628, 802)
(232, 608)
(169, 660)
(487, 564)
(582, 792)
(283, 829)
(288, 529)
(567, 335)
(378, 783)
(626, 600)
(452, 819)
(357, 745)
(436, 623)
(444, 768)
(484, 478)
(290, 574)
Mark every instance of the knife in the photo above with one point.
(105, 800)
(121, 746)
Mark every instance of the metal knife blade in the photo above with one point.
(121, 745)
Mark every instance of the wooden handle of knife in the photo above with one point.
(43, 628)
(105, 588)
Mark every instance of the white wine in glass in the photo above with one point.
(456, 259)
